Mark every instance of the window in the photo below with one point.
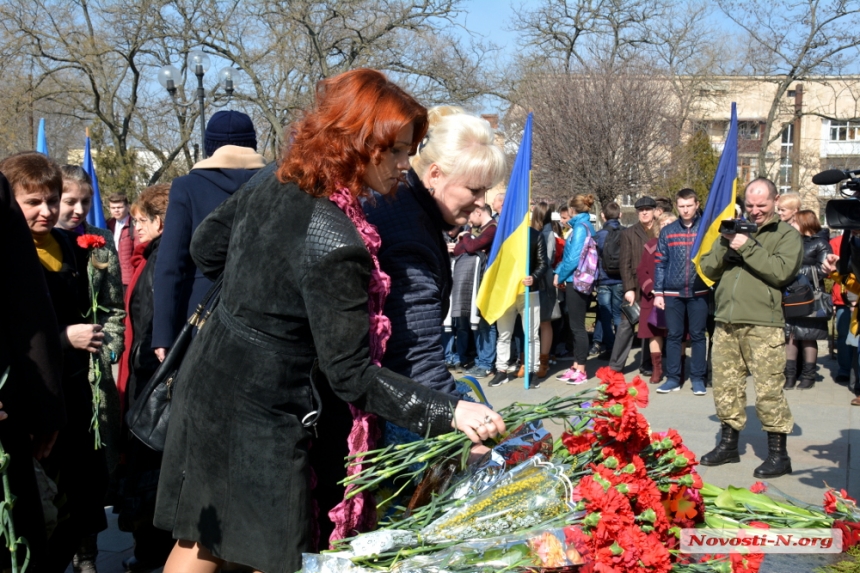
(748, 130)
(844, 130)
(786, 147)
(747, 169)
(791, 93)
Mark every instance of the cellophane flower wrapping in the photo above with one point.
(522, 444)
(545, 548)
(534, 492)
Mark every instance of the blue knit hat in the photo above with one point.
(229, 128)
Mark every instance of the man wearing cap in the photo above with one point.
(633, 239)
(230, 143)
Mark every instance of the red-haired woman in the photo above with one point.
(804, 333)
(300, 317)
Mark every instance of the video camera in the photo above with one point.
(842, 213)
(735, 226)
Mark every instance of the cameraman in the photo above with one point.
(752, 269)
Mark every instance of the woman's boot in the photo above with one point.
(790, 375)
(807, 376)
(656, 368)
(544, 366)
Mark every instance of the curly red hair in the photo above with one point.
(356, 117)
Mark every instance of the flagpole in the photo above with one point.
(526, 306)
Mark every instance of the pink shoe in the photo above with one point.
(567, 375)
(579, 377)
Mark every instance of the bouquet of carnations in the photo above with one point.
(608, 496)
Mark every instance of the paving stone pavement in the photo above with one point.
(826, 434)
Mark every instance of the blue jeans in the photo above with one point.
(451, 356)
(462, 332)
(485, 345)
(844, 352)
(609, 300)
(695, 310)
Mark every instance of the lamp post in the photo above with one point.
(198, 61)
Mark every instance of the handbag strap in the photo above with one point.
(201, 313)
(815, 279)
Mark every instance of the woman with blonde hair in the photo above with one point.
(577, 302)
(787, 206)
(454, 166)
(295, 344)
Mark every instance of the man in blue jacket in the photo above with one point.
(610, 290)
(231, 145)
(683, 295)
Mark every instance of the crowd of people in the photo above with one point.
(350, 266)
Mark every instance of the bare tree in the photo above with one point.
(790, 41)
(604, 129)
(286, 47)
(570, 33)
(91, 60)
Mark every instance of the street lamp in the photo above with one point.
(169, 77)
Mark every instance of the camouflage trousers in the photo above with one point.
(761, 350)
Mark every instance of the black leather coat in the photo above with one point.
(293, 315)
(815, 251)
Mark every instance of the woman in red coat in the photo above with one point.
(652, 324)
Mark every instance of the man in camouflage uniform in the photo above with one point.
(752, 269)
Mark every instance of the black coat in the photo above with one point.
(815, 251)
(79, 469)
(142, 361)
(293, 316)
(415, 255)
(30, 350)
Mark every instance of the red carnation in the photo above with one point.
(850, 533)
(576, 444)
(91, 241)
(758, 487)
(829, 502)
(641, 391)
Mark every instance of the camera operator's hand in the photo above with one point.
(829, 264)
(737, 240)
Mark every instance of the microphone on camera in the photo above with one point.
(830, 177)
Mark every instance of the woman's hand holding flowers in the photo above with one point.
(477, 421)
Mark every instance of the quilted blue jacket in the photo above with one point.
(581, 226)
(674, 271)
(414, 254)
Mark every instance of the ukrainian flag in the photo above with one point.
(508, 262)
(721, 200)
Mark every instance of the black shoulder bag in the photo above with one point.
(148, 417)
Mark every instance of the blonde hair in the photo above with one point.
(581, 203)
(462, 145)
(666, 218)
(789, 201)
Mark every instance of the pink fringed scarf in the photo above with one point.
(358, 513)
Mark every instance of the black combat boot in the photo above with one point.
(807, 377)
(777, 463)
(726, 451)
(790, 375)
